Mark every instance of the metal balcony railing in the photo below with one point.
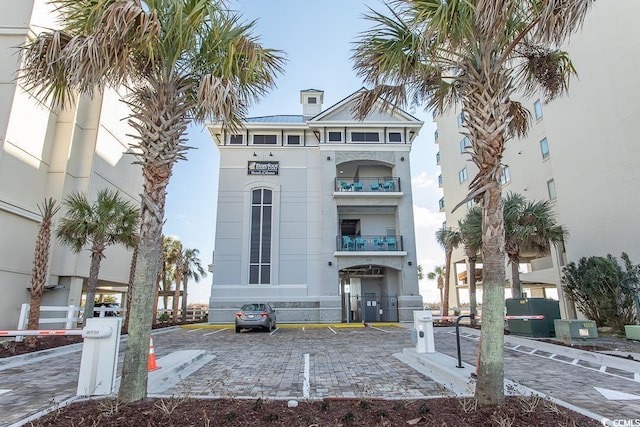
(369, 243)
(370, 184)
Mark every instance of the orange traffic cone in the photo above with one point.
(151, 364)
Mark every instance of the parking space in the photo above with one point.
(300, 363)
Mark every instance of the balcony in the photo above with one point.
(356, 244)
(367, 185)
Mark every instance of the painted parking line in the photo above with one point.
(193, 330)
(305, 386)
(379, 329)
(274, 331)
(3, 391)
(332, 330)
(214, 332)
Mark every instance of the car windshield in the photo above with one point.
(252, 307)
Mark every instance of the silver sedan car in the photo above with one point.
(256, 316)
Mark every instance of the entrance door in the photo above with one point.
(370, 308)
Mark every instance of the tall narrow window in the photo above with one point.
(464, 144)
(462, 175)
(551, 187)
(505, 176)
(460, 119)
(537, 109)
(260, 246)
(544, 148)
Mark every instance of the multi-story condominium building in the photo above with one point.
(315, 215)
(580, 154)
(45, 153)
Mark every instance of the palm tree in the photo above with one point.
(477, 54)
(191, 268)
(528, 226)
(449, 239)
(471, 237)
(171, 252)
(107, 221)
(40, 267)
(181, 62)
(439, 273)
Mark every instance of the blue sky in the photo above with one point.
(316, 38)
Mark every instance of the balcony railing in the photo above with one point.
(371, 185)
(369, 243)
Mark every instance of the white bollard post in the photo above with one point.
(99, 356)
(22, 320)
(424, 326)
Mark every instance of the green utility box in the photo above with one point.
(573, 330)
(632, 332)
(538, 328)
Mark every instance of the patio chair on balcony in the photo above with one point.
(375, 186)
(379, 244)
(392, 244)
(348, 244)
(359, 242)
(357, 186)
(345, 186)
(388, 185)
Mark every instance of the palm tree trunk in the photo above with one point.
(133, 386)
(516, 288)
(176, 301)
(447, 281)
(132, 275)
(490, 383)
(92, 285)
(184, 299)
(471, 276)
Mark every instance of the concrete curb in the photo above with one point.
(174, 368)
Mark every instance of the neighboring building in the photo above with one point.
(46, 153)
(581, 154)
(315, 216)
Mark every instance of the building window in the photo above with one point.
(544, 148)
(265, 139)
(441, 203)
(438, 158)
(365, 136)
(435, 136)
(462, 175)
(460, 119)
(464, 144)
(293, 139)
(470, 203)
(260, 244)
(537, 109)
(505, 176)
(395, 137)
(235, 139)
(312, 100)
(335, 136)
(440, 180)
(551, 187)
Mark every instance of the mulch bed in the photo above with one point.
(443, 412)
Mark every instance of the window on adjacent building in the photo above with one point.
(441, 203)
(235, 139)
(293, 139)
(460, 119)
(395, 137)
(462, 175)
(438, 158)
(551, 187)
(312, 100)
(365, 136)
(265, 139)
(505, 177)
(440, 180)
(470, 203)
(544, 148)
(435, 135)
(260, 243)
(335, 136)
(537, 109)
(464, 144)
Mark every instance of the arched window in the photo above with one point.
(260, 241)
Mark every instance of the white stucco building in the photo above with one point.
(581, 154)
(46, 153)
(315, 215)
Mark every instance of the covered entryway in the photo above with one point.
(369, 294)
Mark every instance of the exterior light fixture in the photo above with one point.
(270, 154)
(410, 263)
(330, 263)
(317, 134)
(254, 154)
(328, 157)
